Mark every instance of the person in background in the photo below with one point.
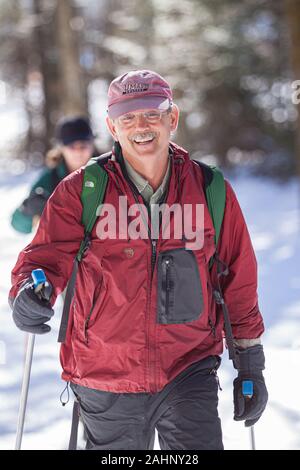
(75, 147)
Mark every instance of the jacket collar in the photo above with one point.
(180, 166)
(178, 155)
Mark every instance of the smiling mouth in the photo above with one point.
(143, 138)
(144, 142)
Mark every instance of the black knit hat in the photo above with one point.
(72, 129)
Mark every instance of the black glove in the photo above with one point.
(35, 203)
(31, 311)
(250, 362)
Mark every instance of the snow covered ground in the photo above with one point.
(270, 210)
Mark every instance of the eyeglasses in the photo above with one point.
(153, 117)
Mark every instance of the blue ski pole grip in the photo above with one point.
(38, 277)
(247, 388)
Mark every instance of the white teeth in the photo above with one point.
(145, 138)
(141, 141)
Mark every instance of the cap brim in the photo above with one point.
(77, 138)
(145, 102)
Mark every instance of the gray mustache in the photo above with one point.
(143, 135)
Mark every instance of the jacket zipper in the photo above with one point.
(86, 325)
(153, 256)
(153, 261)
(209, 292)
(167, 278)
(212, 327)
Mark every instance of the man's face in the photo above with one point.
(141, 135)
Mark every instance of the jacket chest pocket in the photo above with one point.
(179, 289)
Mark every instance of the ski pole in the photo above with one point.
(247, 390)
(252, 438)
(24, 391)
(39, 280)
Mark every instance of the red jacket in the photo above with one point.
(126, 332)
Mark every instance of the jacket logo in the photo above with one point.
(129, 252)
(135, 87)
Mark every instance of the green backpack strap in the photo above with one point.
(216, 198)
(92, 195)
(215, 192)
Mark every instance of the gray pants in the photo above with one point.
(184, 413)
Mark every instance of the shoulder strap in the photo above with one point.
(215, 191)
(92, 194)
(93, 190)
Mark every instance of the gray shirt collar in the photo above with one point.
(143, 186)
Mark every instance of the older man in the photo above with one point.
(145, 335)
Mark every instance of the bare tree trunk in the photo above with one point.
(73, 98)
(293, 19)
(44, 49)
(147, 14)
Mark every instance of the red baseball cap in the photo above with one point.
(138, 89)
